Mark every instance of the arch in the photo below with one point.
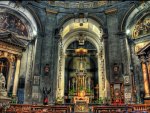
(23, 14)
(72, 35)
(95, 40)
(74, 25)
(124, 19)
(66, 18)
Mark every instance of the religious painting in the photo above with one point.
(116, 69)
(142, 27)
(11, 23)
(116, 72)
(46, 68)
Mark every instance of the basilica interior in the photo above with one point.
(73, 56)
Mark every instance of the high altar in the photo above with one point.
(81, 83)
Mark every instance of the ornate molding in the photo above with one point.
(144, 50)
(78, 4)
(50, 11)
(11, 57)
(111, 11)
(10, 48)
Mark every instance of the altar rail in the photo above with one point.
(141, 107)
(130, 108)
(22, 108)
(112, 109)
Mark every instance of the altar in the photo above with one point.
(81, 82)
(81, 102)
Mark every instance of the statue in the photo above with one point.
(3, 91)
(45, 93)
(2, 81)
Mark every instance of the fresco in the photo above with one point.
(142, 27)
(9, 22)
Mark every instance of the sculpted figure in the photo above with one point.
(2, 81)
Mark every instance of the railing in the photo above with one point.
(23, 108)
(112, 109)
(18, 108)
(133, 108)
(141, 107)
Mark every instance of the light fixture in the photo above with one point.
(127, 31)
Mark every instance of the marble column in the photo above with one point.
(145, 76)
(16, 78)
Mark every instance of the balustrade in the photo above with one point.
(131, 108)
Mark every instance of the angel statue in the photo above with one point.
(45, 93)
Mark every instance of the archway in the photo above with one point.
(79, 35)
(81, 68)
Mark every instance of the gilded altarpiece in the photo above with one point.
(12, 53)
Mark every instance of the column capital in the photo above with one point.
(143, 58)
(18, 56)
